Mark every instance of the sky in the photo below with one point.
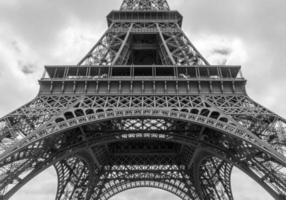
(34, 33)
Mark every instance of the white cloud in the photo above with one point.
(175, 4)
(15, 84)
(245, 188)
(74, 42)
(37, 32)
(221, 49)
(42, 187)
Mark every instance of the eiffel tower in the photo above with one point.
(143, 109)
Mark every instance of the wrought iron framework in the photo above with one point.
(143, 109)
(145, 5)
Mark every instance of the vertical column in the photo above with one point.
(74, 178)
(123, 45)
(165, 45)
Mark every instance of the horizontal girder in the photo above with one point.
(143, 5)
(137, 119)
(133, 125)
(114, 46)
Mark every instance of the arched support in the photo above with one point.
(162, 125)
(214, 178)
(74, 177)
(26, 169)
(124, 186)
(118, 177)
(212, 170)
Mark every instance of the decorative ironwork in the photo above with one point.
(143, 109)
(136, 5)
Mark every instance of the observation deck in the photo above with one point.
(144, 16)
(142, 80)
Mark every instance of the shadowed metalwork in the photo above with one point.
(143, 109)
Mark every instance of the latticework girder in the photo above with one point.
(115, 46)
(248, 156)
(144, 5)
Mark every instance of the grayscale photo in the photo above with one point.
(142, 100)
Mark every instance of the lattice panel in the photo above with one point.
(113, 48)
(73, 178)
(106, 49)
(244, 154)
(146, 5)
(22, 122)
(215, 179)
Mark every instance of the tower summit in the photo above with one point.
(145, 5)
(143, 108)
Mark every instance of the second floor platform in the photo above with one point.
(142, 79)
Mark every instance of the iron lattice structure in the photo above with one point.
(143, 109)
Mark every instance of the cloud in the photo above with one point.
(258, 37)
(175, 4)
(249, 190)
(34, 33)
(75, 41)
(16, 46)
(222, 51)
(20, 68)
(42, 187)
(27, 68)
(259, 32)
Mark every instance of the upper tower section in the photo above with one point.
(144, 51)
(144, 5)
(145, 11)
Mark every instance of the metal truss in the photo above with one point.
(101, 145)
(74, 178)
(145, 5)
(114, 47)
(170, 116)
(105, 50)
(179, 48)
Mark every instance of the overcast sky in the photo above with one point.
(34, 33)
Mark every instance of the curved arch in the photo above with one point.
(225, 126)
(122, 187)
(45, 164)
(209, 151)
(56, 128)
(79, 112)
(72, 173)
(206, 153)
(213, 175)
(68, 115)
